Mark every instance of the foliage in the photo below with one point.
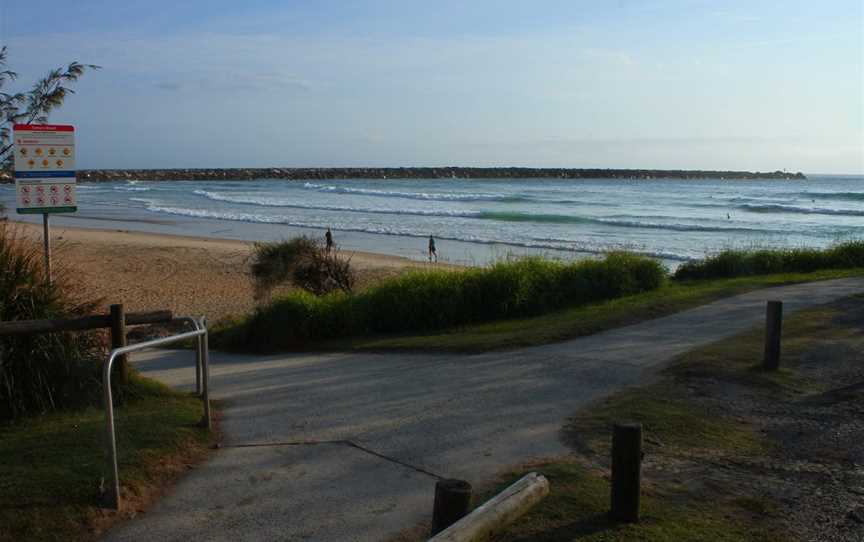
(579, 321)
(39, 373)
(738, 263)
(52, 466)
(431, 300)
(303, 261)
(33, 106)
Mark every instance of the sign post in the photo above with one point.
(45, 174)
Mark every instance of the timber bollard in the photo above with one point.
(452, 503)
(626, 471)
(118, 340)
(773, 331)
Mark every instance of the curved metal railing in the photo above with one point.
(202, 361)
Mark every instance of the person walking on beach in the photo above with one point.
(432, 252)
(328, 241)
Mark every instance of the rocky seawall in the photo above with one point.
(239, 174)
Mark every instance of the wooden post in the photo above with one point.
(773, 329)
(118, 339)
(626, 471)
(452, 503)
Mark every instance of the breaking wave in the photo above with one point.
(776, 208)
(428, 196)
(565, 245)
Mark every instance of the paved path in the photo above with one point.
(452, 415)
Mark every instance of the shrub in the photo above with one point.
(303, 261)
(45, 372)
(738, 263)
(430, 300)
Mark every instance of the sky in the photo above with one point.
(678, 84)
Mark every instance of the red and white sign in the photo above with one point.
(45, 167)
(44, 147)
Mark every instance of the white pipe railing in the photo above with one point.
(202, 361)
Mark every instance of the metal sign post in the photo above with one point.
(45, 174)
(46, 238)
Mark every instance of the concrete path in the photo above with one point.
(446, 414)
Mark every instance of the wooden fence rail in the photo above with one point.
(27, 327)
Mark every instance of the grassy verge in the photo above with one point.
(567, 324)
(711, 458)
(577, 507)
(423, 301)
(51, 465)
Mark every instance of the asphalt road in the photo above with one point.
(450, 415)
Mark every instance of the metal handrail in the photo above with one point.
(202, 361)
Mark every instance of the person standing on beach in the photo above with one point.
(328, 241)
(432, 251)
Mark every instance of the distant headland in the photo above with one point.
(239, 174)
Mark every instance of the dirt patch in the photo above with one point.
(785, 447)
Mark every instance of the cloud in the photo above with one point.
(565, 98)
(170, 86)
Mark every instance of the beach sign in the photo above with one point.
(44, 168)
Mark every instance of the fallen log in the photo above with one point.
(498, 512)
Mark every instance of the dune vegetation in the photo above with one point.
(743, 262)
(431, 300)
(515, 302)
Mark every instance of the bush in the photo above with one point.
(303, 261)
(739, 263)
(40, 373)
(431, 300)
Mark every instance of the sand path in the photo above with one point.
(450, 415)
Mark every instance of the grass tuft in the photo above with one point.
(41, 373)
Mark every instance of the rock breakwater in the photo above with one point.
(239, 174)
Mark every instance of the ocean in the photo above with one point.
(477, 221)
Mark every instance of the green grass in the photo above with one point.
(432, 300)
(673, 297)
(678, 426)
(51, 465)
(577, 506)
(666, 417)
(43, 372)
(738, 262)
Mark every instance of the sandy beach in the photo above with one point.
(188, 275)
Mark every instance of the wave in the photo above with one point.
(569, 219)
(564, 245)
(848, 196)
(426, 196)
(500, 216)
(132, 188)
(579, 246)
(775, 208)
(271, 202)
